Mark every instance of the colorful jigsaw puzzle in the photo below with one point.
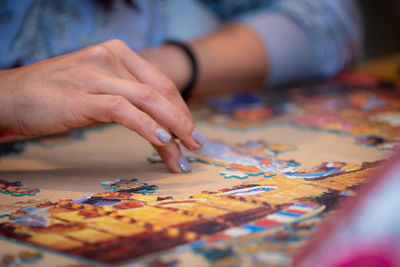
(263, 221)
(16, 189)
(257, 158)
(23, 257)
(128, 221)
(371, 116)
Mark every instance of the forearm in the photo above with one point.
(5, 99)
(229, 59)
(288, 43)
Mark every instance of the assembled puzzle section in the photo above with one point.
(371, 116)
(265, 218)
(128, 221)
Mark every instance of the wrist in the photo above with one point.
(4, 99)
(171, 61)
(190, 56)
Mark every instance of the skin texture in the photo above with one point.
(109, 83)
(231, 58)
(106, 83)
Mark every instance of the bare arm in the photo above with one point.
(229, 59)
(288, 42)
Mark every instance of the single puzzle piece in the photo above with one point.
(252, 158)
(16, 189)
(377, 142)
(234, 174)
(30, 257)
(37, 217)
(15, 210)
(129, 186)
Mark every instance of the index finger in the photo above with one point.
(148, 74)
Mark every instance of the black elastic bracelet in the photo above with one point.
(193, 62)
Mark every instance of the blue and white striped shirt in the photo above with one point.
(304, 39)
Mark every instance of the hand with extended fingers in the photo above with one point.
(105, 83)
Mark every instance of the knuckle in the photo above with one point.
(99, 53)
(168, 87)
(147, 93)
(143, 123)
(182, 123)
(170, 152)
(115, 43)
(115, 104)
(118, 45)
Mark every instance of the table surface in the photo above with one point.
(274, 169)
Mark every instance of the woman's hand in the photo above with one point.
(106, 83)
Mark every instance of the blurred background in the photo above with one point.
(382, 27)
(381, 23)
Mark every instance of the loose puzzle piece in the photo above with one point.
(376, 141)
(23, 257)
(16, 189)
(242, 160)
(129, 186)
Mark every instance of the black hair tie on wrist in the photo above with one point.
(193, 62)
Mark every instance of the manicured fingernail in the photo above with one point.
(163, 135)
(199, 136)
(184, 164)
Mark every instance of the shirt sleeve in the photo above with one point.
(307, 39)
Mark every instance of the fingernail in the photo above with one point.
(199, 136)
(184, 164)
(163, 135)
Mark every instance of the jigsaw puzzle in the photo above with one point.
(371, 116)
(16, 189)
(265, 218)
(21, 258)
(127, 221)
(257, 158)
